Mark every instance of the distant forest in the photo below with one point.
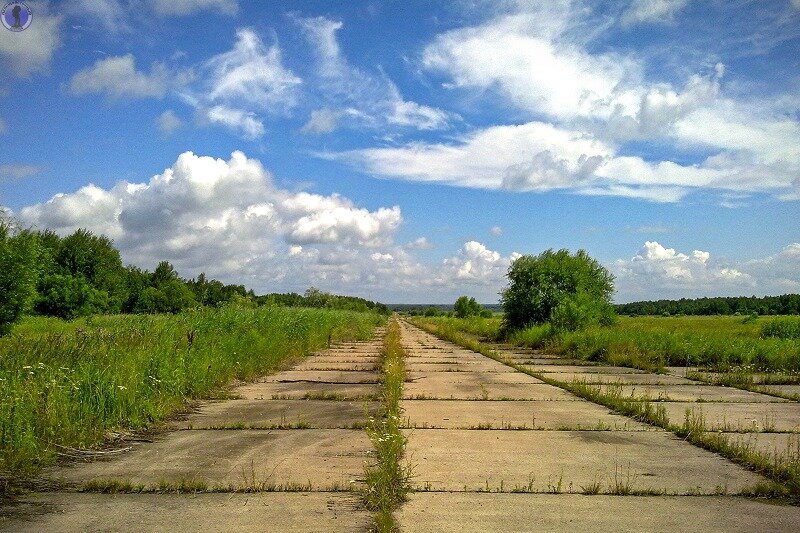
(787, 304)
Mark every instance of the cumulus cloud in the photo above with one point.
(662, 11)
(239, 86)
(660, 272)
(475, 263)
(32, 50)
(168, 122)
(117, 77)
(361, 98)
(225, 217)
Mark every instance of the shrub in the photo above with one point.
(466, 307)
(571, 290)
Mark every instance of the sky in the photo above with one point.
(407, 152)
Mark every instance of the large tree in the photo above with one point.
(567, 290)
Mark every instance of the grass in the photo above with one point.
(72, 384)
(782, 469)
(651, 343)
(388, 481)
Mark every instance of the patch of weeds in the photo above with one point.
(388, 481)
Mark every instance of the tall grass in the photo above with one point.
(652, 343)
(782, 328)
(388, 481)
(68, 384)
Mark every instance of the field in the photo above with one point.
(70, 385)
(652, 343)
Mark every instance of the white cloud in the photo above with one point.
(188, 7)
(241, 85)
(227, 218)
(537, 70)
(321, 121)
(420, 243)
(538, 156)
(168, 122)
(245, 122)
(476, 263)
(361, 98)
(32, 50)
(660, 272)
(117, 77)
(662, 11)
(496, 231)
(538, 59)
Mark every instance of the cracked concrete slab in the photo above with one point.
(323, 376)
(293, 512)
(484, 391)
(267, 413)
(568, 461)
(315, 459)
(478, 513)
(549, 415)
(300, 390)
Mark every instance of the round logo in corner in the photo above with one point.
(16, 16)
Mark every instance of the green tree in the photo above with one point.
(67, 296)
(569, 290)
(19, 272)
(466, 307)
(95, 259)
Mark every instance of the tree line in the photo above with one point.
(82, 274)
(787, 304)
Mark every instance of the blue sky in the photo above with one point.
(409, 151)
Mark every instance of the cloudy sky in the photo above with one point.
(408, 151)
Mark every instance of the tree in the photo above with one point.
(95, 259)
(466, 307)
(571, 291)
(19, 252)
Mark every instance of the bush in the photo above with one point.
(466, 307)
(572, 291)
(68, 297)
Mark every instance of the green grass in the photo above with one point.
(651, 343)
(71, 384)
(782, 328)
(387, 483)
